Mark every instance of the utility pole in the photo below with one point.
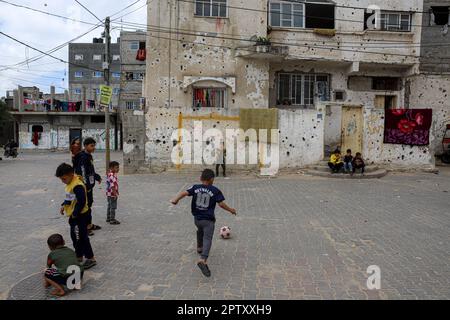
(106, 73)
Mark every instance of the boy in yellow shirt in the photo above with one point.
(336, 162)
(76, 208)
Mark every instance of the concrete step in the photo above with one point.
(380, 173)
(325, 168)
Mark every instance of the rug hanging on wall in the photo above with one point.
(408, 126)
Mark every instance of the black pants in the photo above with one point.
(223, 168)
(336, 167)
(79, 235)
(361, 166)
(90, 200)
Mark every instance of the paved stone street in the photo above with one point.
(295, 237)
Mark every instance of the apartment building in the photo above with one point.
(86, 72)
(331, 69)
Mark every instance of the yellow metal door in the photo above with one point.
(352, 129)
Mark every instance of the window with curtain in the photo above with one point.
(209, 98)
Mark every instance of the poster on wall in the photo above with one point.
(408, 126)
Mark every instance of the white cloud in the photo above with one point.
(46, 32)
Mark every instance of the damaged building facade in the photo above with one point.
(49, 121)
(330, 69)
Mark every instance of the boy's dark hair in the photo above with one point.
(64, 169)
(207, 175)
(349, 150)
(75, 140)
(113, 164)
(358, 154)
(89, 141)
(55, 241)
(337, 151)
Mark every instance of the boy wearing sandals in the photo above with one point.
(112, 192)
(204, 199)
(59, 262)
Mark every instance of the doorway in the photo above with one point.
(352, 129)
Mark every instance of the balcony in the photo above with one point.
(265, 51)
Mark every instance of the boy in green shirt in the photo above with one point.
(61, 263)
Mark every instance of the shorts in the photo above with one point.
(53, 275)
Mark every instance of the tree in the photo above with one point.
(4, 113)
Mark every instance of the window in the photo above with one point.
(97, 91)
(318, 15)
(116, 57)
(116, 75)
(395, 21)
(211, 8)
(440, 16)
(132, 105)
(97, 119)
(134, 76)
(386, 102)
(285, 14)
(116, 91)
(79, 74)
(385, 83)
(79, 57)
(134, 45)
(37, 128)
(209, 98)
(77, 91)
(97, 74)
(299, 89)
(97, 57)
(339, 95)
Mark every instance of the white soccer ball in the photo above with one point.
(225, 232)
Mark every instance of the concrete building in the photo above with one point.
(431, 88)
(50, 121)
(133, 67)
(86, 72)
(330, 69)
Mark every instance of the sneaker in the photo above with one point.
(90, 233)
(89, 263)
(204, 268)
(114, 222)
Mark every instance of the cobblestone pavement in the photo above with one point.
(295, 237)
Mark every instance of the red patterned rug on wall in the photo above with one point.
(408, 126)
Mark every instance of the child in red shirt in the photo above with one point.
(112, 192)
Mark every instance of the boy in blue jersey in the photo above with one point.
(204, 199)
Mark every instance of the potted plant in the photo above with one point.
(263, 45)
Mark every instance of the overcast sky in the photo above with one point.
(46, 32)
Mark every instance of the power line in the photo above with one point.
(177, 31)
(129, 6)
(268, 11)
(57, 48)
(246, 48)
(44, 12)
(32, 82)
(381, 43)
(51, 56)
(85, 8)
